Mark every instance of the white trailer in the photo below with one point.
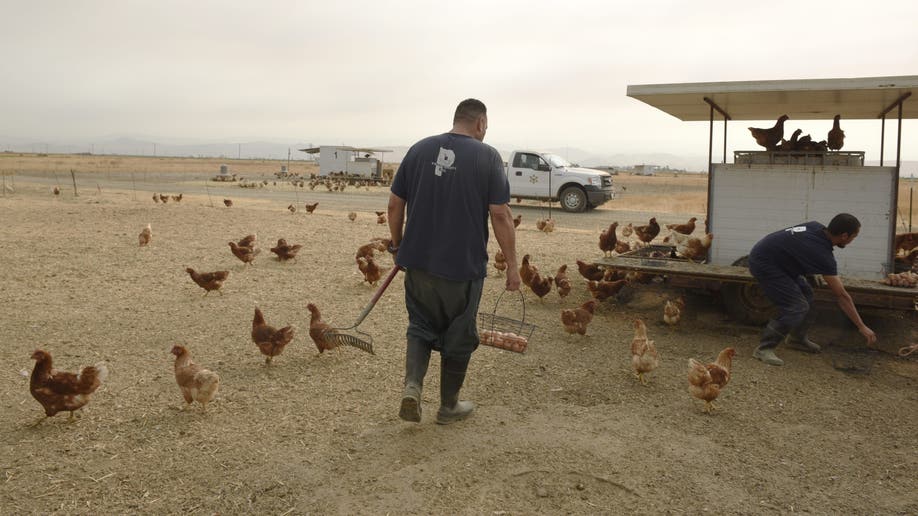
(348, 161)
(764, 191)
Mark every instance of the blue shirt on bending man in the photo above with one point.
(781, 260)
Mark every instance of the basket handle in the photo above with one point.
(522, 302)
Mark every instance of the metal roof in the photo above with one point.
(805, 99)
(315, 150)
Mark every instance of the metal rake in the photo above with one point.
(360, 339)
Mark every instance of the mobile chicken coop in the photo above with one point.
(343, 160)
(764, 191)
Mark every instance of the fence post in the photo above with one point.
(73, 175)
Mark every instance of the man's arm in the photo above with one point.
(847, 305)
(396, 219)
(505, 233)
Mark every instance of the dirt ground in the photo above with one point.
(562, 429)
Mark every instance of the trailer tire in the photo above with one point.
(745, 302)
(573, 199)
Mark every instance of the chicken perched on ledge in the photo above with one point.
(706, 381)
(270, 341)
(196, 383)
(695, 249)
(648, 232)
(208, 280)
(622, 247)
(608, 239)
(628, 230)
(686, 229)
(836, 138)
(770, 137)
(644, 357)
(576, 320)
(59, 391)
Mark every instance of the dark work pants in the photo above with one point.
(792, 296)
(442, 313)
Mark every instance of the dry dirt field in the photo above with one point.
(562, 429)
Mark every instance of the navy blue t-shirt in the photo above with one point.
(795, 251)
(448, 181)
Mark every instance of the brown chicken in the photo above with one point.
(146, 236)
(352, 216)
(284, 251)
(644, 357)
(500, 262)
(379, 213)
(292, 208)
(208, 280)
(628, 230)
(906, 242)
(245, 254)
(517, 220)
(562, 281)
(311, 207)
(527, 271)
(836, 139)
(770, 137)
(155, 198)
(672, 310)
(164, 198)
(270, 340)
(695, 249)
(686, 229)
(318, 329)
(611, 274)
(576, 320)
(248, 240)
(602, 290)
(792, 144)
(196, 383)
(228, 203)
(58, 391)
(706, 381)
(377, 244)
(540, 286)
(649, 232)
(622, 247)
(177, 198)
(608, 239)
(381, 219)
(545, 225)
(590, 271)
(371, 271)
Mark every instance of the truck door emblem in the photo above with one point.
(533, 179)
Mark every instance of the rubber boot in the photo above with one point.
(417, 357)
(452, 375)
(797, 338)
(769, 340)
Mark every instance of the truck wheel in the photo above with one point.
(573, 199)
(745, 302)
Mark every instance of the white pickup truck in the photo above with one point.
(544, 176)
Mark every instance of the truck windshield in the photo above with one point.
(556, 161)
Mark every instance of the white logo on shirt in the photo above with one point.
(796, 229)
(445, 161)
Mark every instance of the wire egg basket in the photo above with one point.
(504, 332)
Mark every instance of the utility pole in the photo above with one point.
(154, 150)
(239, 152)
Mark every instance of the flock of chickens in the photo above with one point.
(772, 138)
(61, 391)
(705, 380)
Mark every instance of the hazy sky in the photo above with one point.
(553, 74)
